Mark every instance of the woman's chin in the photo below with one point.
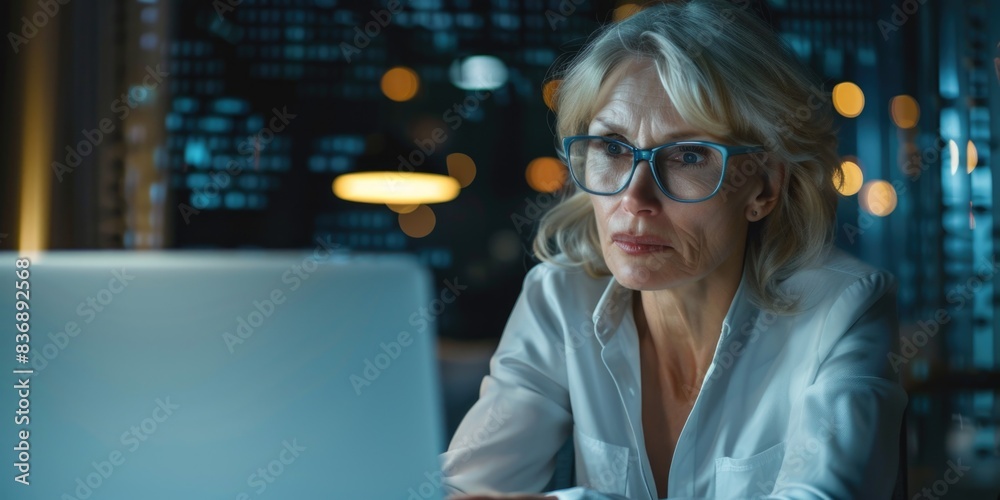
(640, 277)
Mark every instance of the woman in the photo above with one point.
(691, 326)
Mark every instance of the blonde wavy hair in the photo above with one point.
(726, 73)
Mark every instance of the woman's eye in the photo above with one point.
(614, 148)
(690, 157)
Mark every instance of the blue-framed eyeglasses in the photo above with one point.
(686, 171)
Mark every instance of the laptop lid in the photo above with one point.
(235, 375)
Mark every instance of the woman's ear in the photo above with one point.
(772, 179)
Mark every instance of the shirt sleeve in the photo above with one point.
(843, 439)
(508, 440)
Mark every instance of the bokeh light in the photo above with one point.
(478, 73)
(402, 209)
(400, 83)
(971, 157)
(549, 93)
(852, 180)
(905, 111)
(418, 223)
(848, 99)
(625, 10)
(953, 154)
(545, 174)
(462, 168)
(878, 198)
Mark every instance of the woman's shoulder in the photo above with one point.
(838, 276)
(839, 262)
(842, 297)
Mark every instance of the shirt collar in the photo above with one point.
(610, 310)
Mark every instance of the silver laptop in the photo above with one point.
(225, 375)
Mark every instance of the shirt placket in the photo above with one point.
(683, 463)
(613, 354)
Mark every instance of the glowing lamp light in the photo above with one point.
(848, 99)
(852, 181)
(396, 188)
(478, 73)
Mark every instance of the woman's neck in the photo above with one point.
(689, 315)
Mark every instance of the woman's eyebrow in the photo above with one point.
(610, 125)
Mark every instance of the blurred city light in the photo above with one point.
(625, 9)
(549, 93)
(905, 111)
(462, 168)
(853, 178)
(848, 99)
(478, 73)
(971, 157)
(545, 174)
(402, 209)
(418, 223)
(878, 198)
(400, 83)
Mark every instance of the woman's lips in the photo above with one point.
(639, 245)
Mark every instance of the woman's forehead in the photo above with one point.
(633, 89)
(637, 75)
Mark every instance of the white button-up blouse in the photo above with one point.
(793, 406)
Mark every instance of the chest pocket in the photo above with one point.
(750, 477)
(599, 465)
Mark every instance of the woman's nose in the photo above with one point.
(642, 195)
